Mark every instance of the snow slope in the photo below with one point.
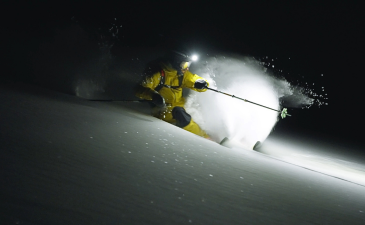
(70, 161)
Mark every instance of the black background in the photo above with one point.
(307, 38)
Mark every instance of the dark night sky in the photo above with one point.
(319, 37)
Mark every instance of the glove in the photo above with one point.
(200, 84)
(158, 100)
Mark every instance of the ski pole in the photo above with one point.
(283, 113)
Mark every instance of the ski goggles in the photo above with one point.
(185, 65)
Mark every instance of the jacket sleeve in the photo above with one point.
(147, 86)
(189, 81)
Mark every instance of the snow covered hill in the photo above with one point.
(65, 160)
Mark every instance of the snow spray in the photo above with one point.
(222, 116)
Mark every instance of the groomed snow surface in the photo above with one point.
(65, 160)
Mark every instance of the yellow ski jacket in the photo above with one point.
(171, 90)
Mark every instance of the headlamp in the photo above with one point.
(194, 57)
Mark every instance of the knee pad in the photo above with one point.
(181, 116)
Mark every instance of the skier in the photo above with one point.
(165, 88)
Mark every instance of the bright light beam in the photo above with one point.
(314, 156)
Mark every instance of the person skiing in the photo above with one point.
(165, 90)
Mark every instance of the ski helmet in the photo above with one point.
(180, 60)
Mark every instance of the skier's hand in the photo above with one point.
(200, 84)
(158, 100)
